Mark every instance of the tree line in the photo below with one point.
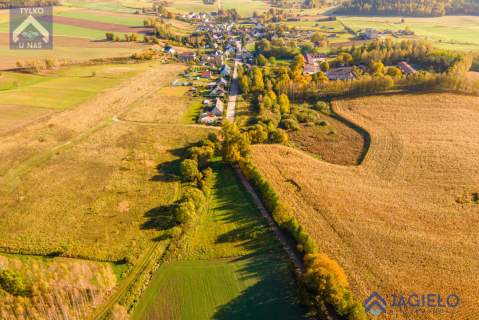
(324, 284)
(426, 8)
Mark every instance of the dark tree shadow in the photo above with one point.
(272, 297)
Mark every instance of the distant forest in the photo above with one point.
(5, 4)
(421, 8)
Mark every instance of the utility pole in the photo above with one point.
(219, 5)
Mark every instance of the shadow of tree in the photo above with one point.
(271, 297)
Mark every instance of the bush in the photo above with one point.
(289, 124)
(258, 134)
(322, 107)
(184, 212)
(196, 197)
(189, 170)
(202, 155)
(278, 136)
(176, 232)
(326, 284)
(13, 283)
(305, 115)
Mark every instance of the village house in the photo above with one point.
(406, 68)
(187, 57)
(370, 34)
(225, 70)
(218, 110)
(218, 91)
(344, 73)
(170, 50)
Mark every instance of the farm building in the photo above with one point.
(187, 56)
(406, 67)
(344, 73)
(218, 110)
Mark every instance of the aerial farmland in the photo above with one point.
(250, 159)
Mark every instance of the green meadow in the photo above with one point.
(65, 88)
(229, 266)
(451, 32)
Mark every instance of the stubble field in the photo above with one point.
(405, 220)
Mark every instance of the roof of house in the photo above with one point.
(406, 67)
(344, 73)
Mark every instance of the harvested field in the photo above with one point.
(335, 143)
(404, 221)
(473, 75)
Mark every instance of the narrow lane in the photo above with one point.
(231, 109)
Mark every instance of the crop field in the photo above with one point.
(244, 7)
(124, 6)
(76, 28)
(99, 175)
(226, 266)
(449, 32)
(104, 17)
(404, 220)
(59, 287)
(59, 90)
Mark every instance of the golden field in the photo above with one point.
(406, 219)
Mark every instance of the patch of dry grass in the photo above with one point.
(405, 220)
(91, 187)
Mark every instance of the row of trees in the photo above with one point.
(163, 30)
(391, 52)
(410, 7)
(133, 37)
(196, 173)
(324, 284)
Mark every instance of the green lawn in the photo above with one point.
(230, 266)
(65, 88)
(193, 111)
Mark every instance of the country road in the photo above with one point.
(288, 247)
(231, 109)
